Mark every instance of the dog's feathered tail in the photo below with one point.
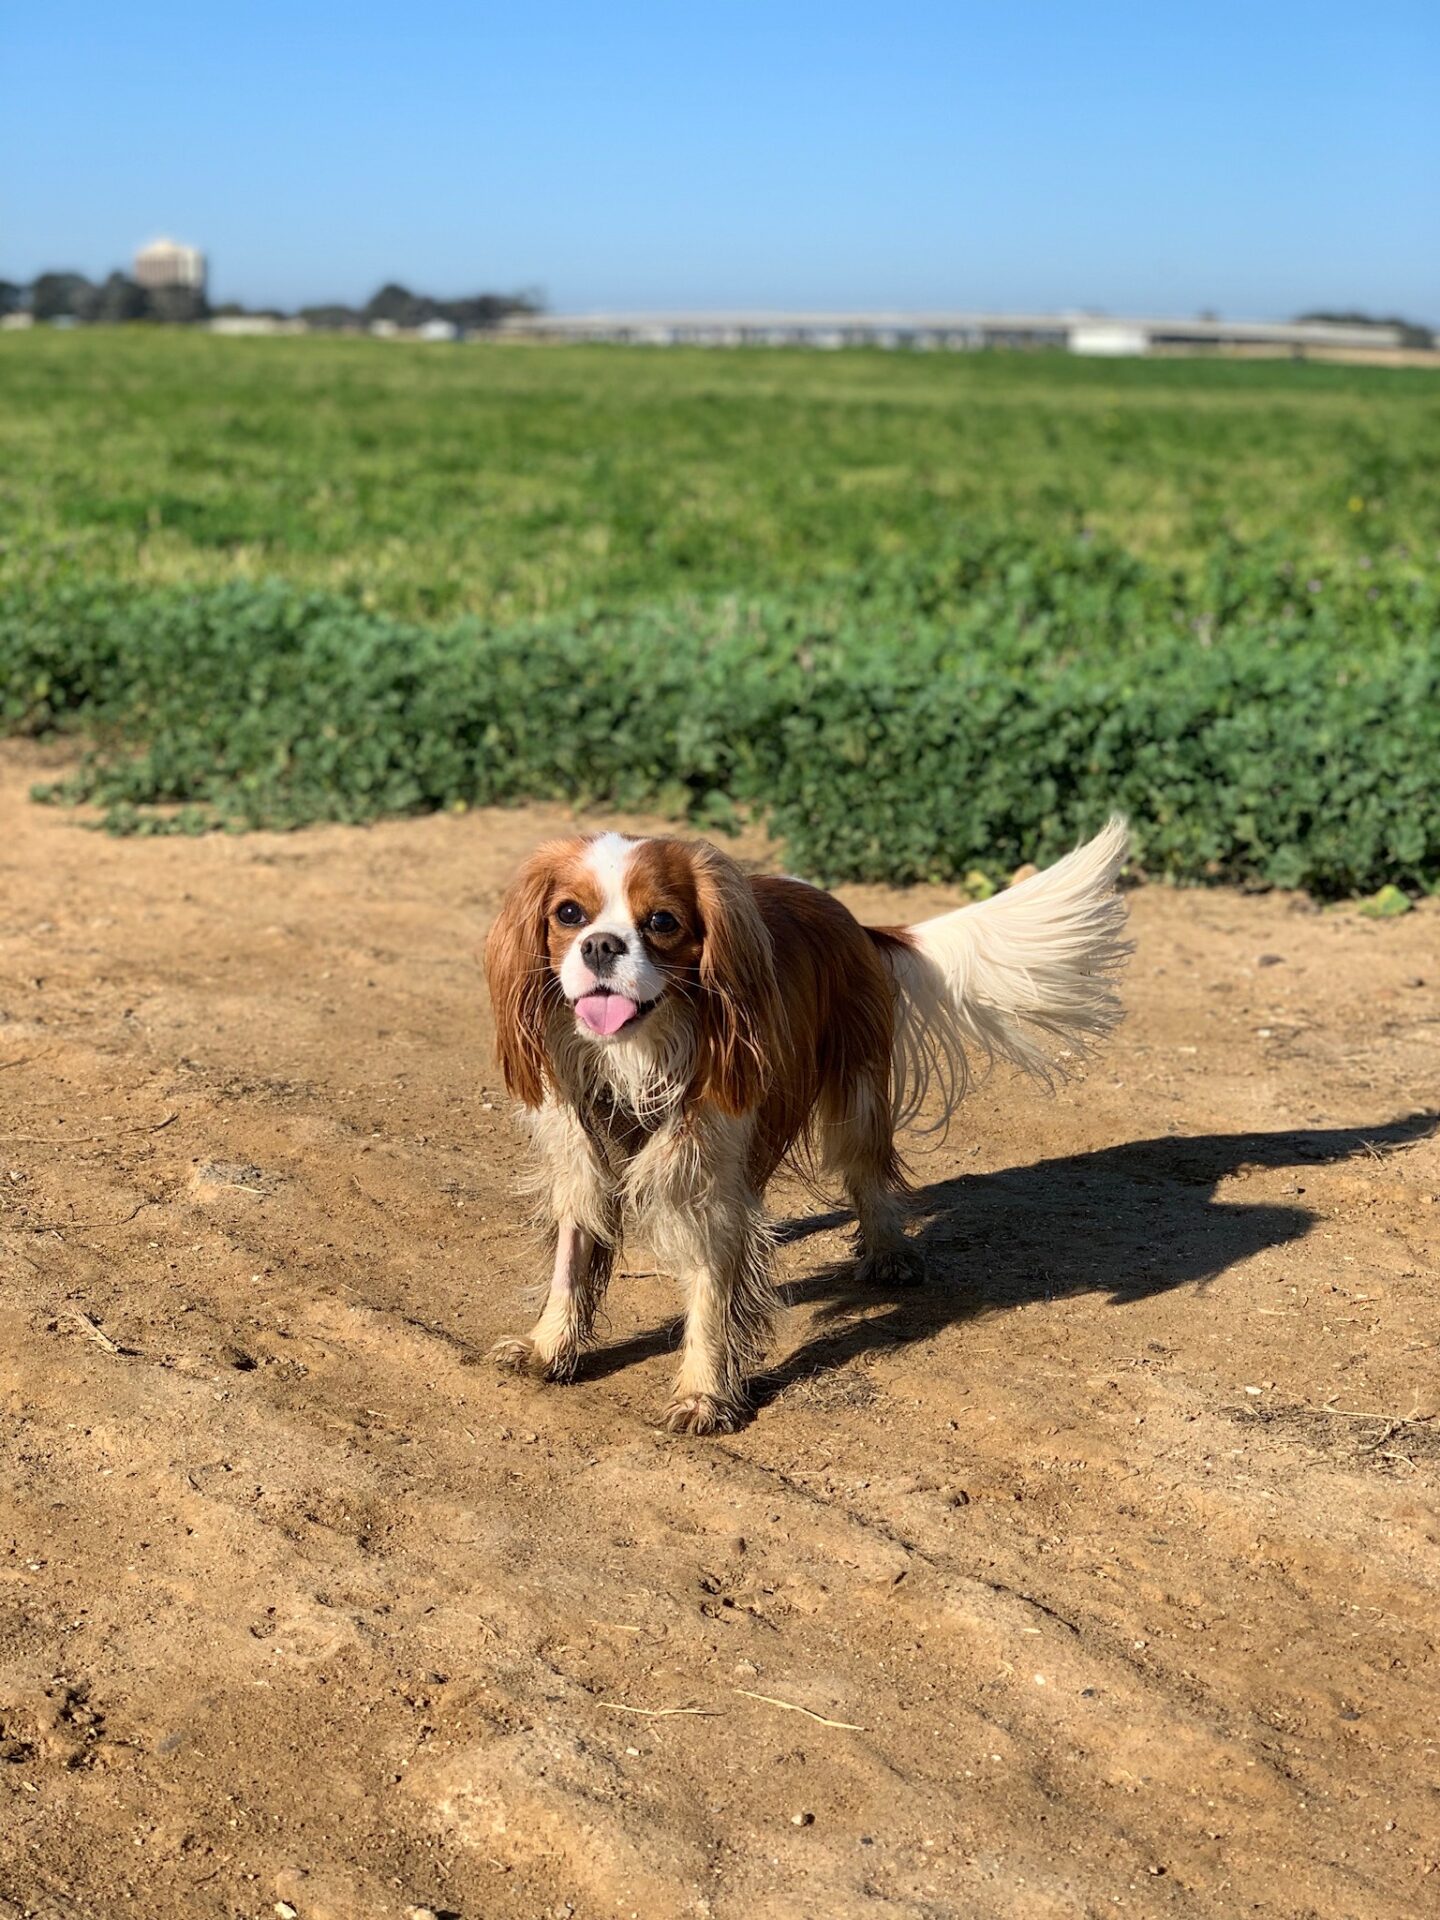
(1000, 979)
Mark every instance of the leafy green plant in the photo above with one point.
(926, 615)
(931, 721)
(514, 484)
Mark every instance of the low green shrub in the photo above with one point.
(1262, 723)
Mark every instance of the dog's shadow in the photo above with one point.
(1128, 1221)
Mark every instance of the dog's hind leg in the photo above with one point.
(859, 1145)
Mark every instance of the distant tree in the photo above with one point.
(12, 297)
(237, 310)
(333, 319)
(1413, 333)
(177, 306)
(402, 308)
(399, 306)
(477, 311)
(119, 300)
(54, 296)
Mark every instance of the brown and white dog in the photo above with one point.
(678, 1030)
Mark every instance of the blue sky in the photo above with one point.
(1258, 159)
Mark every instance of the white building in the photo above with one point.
(166, 263)
(1113, 337)
(241, 324)
(1078, 332)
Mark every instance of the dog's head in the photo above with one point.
(611, 942)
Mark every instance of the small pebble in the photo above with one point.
(284, 1910)
(802, 1819)
(1271, 960)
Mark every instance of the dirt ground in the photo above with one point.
(1099, 1577)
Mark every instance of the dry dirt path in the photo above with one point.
(1115, 1551)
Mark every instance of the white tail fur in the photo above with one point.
(1037, 962)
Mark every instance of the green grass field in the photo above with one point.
(926, 613)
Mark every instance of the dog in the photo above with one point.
(676, 1031)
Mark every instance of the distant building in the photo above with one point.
(165, 263)
(255, 323)
(1112, 337)
(1077, 332)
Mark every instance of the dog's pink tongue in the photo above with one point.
(605, 1012)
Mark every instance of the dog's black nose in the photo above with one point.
(600, 951)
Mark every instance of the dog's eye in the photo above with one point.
(570, 913)
(662, 922)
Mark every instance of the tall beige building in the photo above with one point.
(165, 263)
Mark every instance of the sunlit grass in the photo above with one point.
(922, 613)
(508, 481)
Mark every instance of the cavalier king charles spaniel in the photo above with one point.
(678, 1030)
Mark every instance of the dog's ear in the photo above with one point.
(738, 1009)
(517, 967)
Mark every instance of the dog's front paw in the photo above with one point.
(515, 1354)
(700, 1413)
(892, 1267)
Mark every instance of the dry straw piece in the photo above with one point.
(789, 1706)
